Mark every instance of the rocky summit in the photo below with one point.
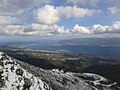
(17, 75)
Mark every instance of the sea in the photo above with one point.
(105, 51)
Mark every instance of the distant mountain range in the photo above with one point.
(90, 42)
(17, 75)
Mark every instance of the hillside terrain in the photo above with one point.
(17, 75)
(68, 62)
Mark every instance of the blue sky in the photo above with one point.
(60, 18)
(103, 18)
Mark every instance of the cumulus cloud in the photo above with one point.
(50, 14)
(9, 26)
(74, 12)
(113, 10)
(98, 29)
(80, 30)
(7, 20)
(114, 28)
(11, 30)
(33, 29)
(47, 15)
(43, 29)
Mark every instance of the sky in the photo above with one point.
(61, 18)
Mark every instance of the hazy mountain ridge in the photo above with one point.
(90, 42)
(57, 80)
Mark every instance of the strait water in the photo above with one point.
(106, 51)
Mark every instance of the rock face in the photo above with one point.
(17, 75)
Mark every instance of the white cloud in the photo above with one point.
(7, 20)
(96, 29)
(43, 29)
(36, 29)
(113, 10)
(115, 27)
(80, 30)
(50, 14)
(32, 29)
(11, 30)
(99, 29)
(74, 12)
(47, 15)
